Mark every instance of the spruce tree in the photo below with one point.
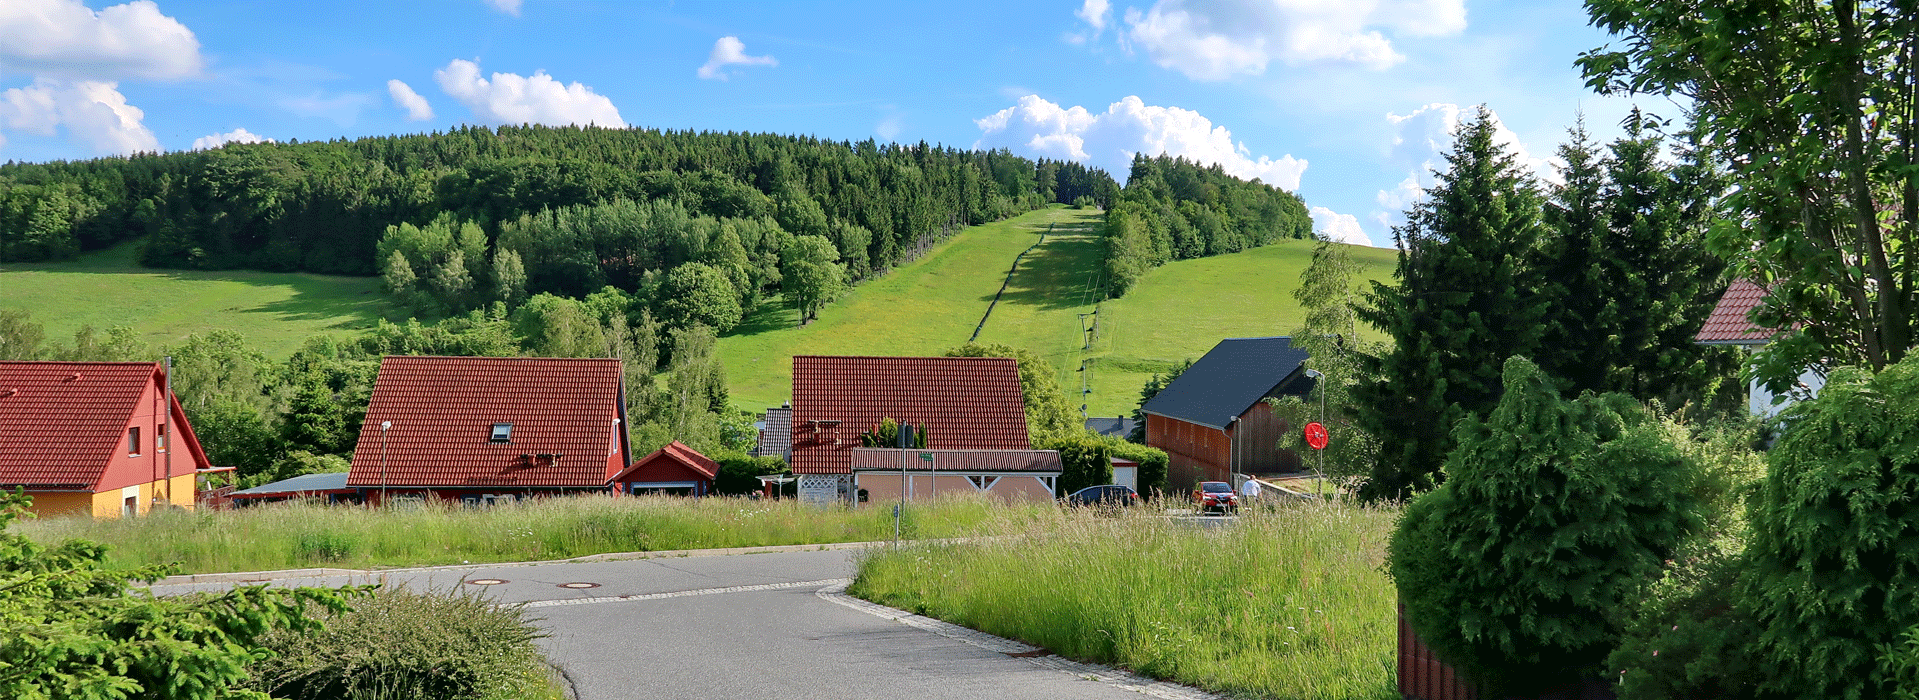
(1465, 301)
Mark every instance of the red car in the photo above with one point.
(1212, 496)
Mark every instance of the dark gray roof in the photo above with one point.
(1230, 379)
(777, 437)
(333, 481)
(1118, 426)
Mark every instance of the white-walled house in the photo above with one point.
(1730, 325)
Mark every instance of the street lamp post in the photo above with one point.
(1319, 383)
(384, 425)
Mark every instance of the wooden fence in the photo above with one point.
(1420, 676)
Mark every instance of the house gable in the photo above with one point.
(67, 425)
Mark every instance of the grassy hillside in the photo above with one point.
(1177, 311)
(275, 311)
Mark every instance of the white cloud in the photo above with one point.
(213, 141)
(1097, 14)
(511, 7)
(728, 51)
(1335, 226)
(404, 97)
(889, 128)
(64, 39)
(1241, 37)
(513, 99)
(92, 112)
(1109, 139)
(1420, 142)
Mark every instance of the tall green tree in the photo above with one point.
(1812, 107)
(1465, 300)
(21, 337)
(1329, 296)
(811, 274)
(697, 294)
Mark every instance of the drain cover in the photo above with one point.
(580, 584)
(487, 581)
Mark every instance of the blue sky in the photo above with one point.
(1347, 102)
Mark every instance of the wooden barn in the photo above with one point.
(674, 470)
(481, 430)
(1212, 420)
(106, 439)
(964, 403)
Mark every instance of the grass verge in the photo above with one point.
(300, 535)
(1291, 603)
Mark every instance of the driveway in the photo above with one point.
(755, 626)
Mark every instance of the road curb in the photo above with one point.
(283, 574)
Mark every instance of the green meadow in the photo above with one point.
(1176, 312)
(275, 311)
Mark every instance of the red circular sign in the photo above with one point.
(1316, 436)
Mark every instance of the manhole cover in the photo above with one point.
(579, 584)
(487, 581)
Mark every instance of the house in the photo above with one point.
(675, 469)
(106, 439)
(326, 488)
(1212, 420)
(481, 430)
(1117, 426)
(963, 403)
(1729, 324)
(889, 474)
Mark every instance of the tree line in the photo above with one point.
(1175, 209)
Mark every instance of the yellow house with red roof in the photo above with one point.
(106, 439)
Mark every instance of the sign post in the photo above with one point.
(934, 470)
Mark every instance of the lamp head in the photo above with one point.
(385, 424)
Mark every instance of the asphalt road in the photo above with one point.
(754, 626)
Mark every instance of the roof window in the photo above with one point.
(502, 433)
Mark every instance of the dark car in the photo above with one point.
(1108, 495)
(1215, 496)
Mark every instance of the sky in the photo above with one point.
(1348, 103)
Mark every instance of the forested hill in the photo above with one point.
(323, 207)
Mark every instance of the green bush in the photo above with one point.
(1833, 565)
(398, 643)
(739, 474)
(1084, 461)
(1152, 477)
(1554, 514)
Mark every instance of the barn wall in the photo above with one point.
(1195, 453)
(1257, 438)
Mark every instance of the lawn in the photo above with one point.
(275, 311)
(1292, 603)
(1176, 312)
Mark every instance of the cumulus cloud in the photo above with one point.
(92, 112)
(508, 98)
(1420, 142)
(213, 141)
(1097, 14)
(511, 7)
(1335, 226)
(728, 51)
(1241, 37)
(64, 39)
(405, 98)
(1109, 139)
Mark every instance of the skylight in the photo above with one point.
(502, 433)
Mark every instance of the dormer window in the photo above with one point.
(502, 433)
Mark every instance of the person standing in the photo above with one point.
(1249, 490)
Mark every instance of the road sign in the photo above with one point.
(926, 456)
(1316, 436)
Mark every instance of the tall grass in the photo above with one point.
(299, 535)
(1283, 604)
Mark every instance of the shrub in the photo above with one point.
(1834, 530)
(739, 474)
(399, 643)
(1553, 515)
(1152, 477)
(1083, 461)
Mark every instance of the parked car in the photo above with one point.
(1215, 496)
(1108, 495)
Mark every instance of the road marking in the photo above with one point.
(682, 594)
(1123, 680)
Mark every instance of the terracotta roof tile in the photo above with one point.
(443, 411)
(968, 403)
(677, 452)
(62, 422)
(1728, 324)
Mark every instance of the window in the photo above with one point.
(502, 433)
(160, 438)
(133, 441)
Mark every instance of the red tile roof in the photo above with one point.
(61, 423)
(1728, 325)
(967, 403)
(674, 452)
(880, 459)
(443, 411)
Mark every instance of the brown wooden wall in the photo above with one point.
(1420, 676)
(1257, 439)
(1195, 453)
